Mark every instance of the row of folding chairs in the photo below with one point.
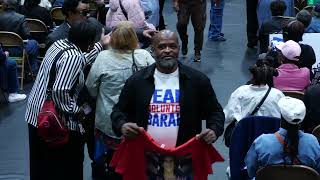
(57, 15)
(292, 172)
(38, 29)
(11, 40)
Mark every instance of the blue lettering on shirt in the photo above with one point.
(163, 120)
(177, 95)
(172, 120)
(156, 95)
(150, 119)
(168, 96)
(155, 121)
(164, 108)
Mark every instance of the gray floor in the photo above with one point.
(226, 64)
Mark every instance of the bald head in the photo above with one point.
(164, 34)
(166, 51)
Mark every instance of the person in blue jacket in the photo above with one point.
(289, 145)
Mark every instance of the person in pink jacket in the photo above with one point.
(291, 77)
(131, 11)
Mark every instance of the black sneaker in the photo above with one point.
(219, 38)
(197, 56)
(184, 50)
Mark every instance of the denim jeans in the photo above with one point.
(32, 51)
(12, 76)
(216, 14)
(153, 6)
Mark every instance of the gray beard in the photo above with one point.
(167, 64)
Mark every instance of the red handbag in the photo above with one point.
(51, 128)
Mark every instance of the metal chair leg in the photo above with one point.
(22, 70)
(30, 68)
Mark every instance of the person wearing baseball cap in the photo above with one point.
(289, 145)
(314, 26)
(291, 77)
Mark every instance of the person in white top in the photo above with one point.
(244, 99)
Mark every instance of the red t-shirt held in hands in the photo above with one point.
(129, 159)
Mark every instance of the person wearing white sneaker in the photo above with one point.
(12, 77)
(13, 84)
(14, 97)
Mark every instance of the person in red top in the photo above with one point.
(169, 100)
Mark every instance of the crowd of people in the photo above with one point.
(113, 80)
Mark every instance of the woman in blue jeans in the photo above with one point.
(10, 68)
(216, 14)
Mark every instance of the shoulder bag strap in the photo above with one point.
(296, 161)
(280, 139)
(134, 64)
(52, 71)
(256, 109)
(123, 10)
